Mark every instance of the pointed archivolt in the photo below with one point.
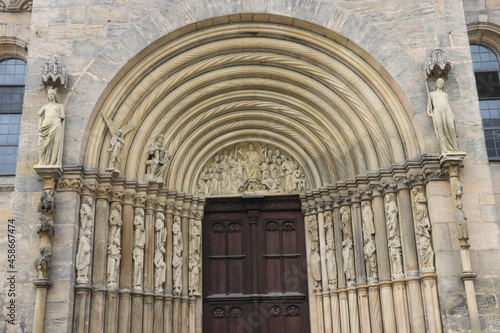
(211, 90)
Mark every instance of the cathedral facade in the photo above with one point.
(250, 166)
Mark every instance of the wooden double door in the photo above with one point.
(254, 268)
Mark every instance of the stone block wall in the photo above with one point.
(97, 39)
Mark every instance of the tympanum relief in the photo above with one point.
(250, 167)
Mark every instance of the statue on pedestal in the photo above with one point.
(438, 107)
(50, 131)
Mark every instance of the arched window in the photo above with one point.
(486, 69)
(12, 74)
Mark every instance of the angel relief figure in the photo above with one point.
(116, 144)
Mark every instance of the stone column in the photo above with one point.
(362, 287)
(84, 259)
(410, 261)
(114, 259)
(97, 312)
(185, 265)
(126, 261)
(138, 259)
(167, 303)
(199, 299)
(349, 264)
(337, 232)
(325, 295)
(331, 263)
(315, 259)
(177, 263)
(194, 262)
(371, 262)
(426, 254)
(451, 163)
(151, 201)
(396, 257)
(46, 208)
(160, 268)
(384, 271)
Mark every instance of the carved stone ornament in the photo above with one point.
(69, 184)
(138, 251)
(16, 5)
(315, 257)
(437, 66)
(114, 243)
(159, 261)
(393, 238)
(347, 245)
(54, 73)
(194, 256)
(369, 241)
(50, 132)
(156, 164)
(116, 143)
(83, 256)
(250, 167)
(331, 263)
(438, 107)
(46, 208)
(177, 248)
(423, 229)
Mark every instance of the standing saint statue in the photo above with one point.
(116, 144)
(438, 107)
(50, 131)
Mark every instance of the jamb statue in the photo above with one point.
(116, 144)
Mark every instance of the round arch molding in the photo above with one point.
(322, 101)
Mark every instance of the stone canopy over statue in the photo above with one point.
(250, 167)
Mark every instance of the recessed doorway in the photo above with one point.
(254, 268)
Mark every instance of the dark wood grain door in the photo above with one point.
(254, 269)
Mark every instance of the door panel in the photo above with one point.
(254, 270)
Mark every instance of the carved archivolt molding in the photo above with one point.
(250, 167)
(300, 92)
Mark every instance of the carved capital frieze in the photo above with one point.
(366, 194)
(140, 200)
(129, 197)
(89, 189)
(151, 202)
(116, 195)
(354, 195)
(388, 186)
(69, 184)
(169, 206)
(377, 190)
(103, 192)
(435, 174)
(402, 182)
